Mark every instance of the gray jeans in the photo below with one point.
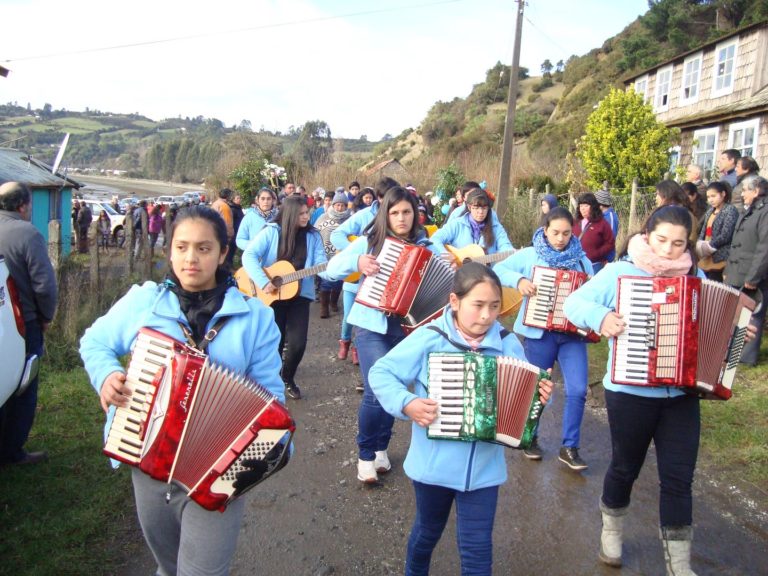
(185, 538)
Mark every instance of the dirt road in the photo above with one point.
(315, 518)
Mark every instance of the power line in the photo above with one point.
(235, 31)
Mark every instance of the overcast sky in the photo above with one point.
(363, 66)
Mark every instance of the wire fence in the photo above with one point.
(523, 213)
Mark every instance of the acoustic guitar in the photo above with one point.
(511, 298)
(283, 275)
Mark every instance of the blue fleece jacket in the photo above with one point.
(457, 232)
(401, 376)
(262, 253)
(251, 225)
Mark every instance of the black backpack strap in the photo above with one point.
(458, 345)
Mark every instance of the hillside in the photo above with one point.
(552, 109)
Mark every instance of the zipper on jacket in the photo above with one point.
(469, 467)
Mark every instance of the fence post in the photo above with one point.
(129, 238)
(546, 188)
(633, 208)
(531, 192)
(54, 243)
(95, 264)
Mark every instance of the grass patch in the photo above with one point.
(72, 514)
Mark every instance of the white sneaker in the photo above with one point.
(382, 462)
(366, 471)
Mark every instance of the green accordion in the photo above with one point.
(487, 398)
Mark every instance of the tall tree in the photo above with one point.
(314, 146)
(546, 67)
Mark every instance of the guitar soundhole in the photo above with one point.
(277, 281)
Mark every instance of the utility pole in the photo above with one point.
(509, 126)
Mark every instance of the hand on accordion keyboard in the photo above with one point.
(526, 287)
(257, 470)
(367, 265)
(613, 324)
(112, 391)
(423, 411)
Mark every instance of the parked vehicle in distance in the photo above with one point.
(18, 369)
(116, 219)
(195, 197)
(164, 200)
(182, 201)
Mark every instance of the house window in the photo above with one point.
(689, 91)
(663, 82)
(725, 66)
(703, 151)
(674, 159)
(743, 135)
(641, 87)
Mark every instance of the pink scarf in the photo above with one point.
(644, 258)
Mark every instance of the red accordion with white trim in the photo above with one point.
(196, 424)
(412, 282)
(545, 309)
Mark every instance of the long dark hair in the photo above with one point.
(378, 229)
(478, 197)
(671, 193)
(470, 275)
(288, 220)
(669, 214)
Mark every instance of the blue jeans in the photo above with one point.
(346, 327)
(475, 514)
(374, 424)
(18, 413)
(330, 285)
(571, 353)
(674, 425)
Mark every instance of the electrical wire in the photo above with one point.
(235, 31)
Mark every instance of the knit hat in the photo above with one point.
(340, 190)
(604, 197)
(319, 191)
(550, 199)
(340, 197)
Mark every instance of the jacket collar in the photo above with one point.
(167, 305)
(492, 341)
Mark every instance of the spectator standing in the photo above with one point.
(237, 218)
(84, 220)
(605, 201)
(26, 255)
(137, 226)
(336, 215)
(718, 225)
(104, 229)
(696, 201)
(727, 166)
(155, 225)
(593, 231)
(694, 175)
(75, 210)
(746, 168)
(221, 205)
(354, 190)
(548, 202)
(747, 267)
(321, 205)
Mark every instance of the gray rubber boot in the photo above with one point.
(611, 535)
(676, 541)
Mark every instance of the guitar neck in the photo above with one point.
(301, 274)
(490, 258)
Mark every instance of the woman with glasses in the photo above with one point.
(477, 226)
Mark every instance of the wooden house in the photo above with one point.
(717, 95)
(390, 168)
(51, 193)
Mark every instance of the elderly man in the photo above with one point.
(694, 174)
(26, 255)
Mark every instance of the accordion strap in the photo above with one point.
(503, 334)
(209, 336)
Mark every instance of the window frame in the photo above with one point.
(697, 134)
(685, 100)
(735, 126)
(643, 78)
(725, 91)
(657, 90)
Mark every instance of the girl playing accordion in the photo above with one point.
(554, 246)
(196, 296)
(444, 471)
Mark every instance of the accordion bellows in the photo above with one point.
(486, 398)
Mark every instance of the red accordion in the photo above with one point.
(545, 309)
(659, 345)
(196, 424)
(412, 282)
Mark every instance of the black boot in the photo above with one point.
(325, 297)
(335, 300)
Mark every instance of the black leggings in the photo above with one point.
(292, 318)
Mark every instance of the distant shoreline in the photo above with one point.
(111, 185)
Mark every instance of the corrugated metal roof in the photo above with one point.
(17, 166)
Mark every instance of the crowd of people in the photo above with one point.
(341, 233)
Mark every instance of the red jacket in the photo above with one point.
(597, 239)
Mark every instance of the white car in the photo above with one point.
(18, 369)
(116, 219)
